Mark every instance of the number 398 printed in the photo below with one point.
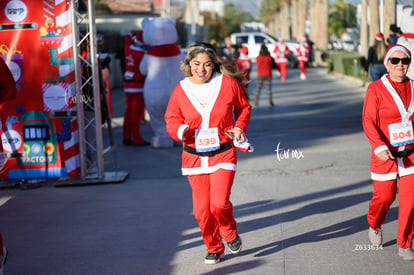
(367, 247)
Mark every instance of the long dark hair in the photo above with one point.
(264, 50)
(220, 66)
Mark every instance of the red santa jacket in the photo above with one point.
(383, 106)
(245, 65)
(264, 65)
(303, 52)
(134, 52)
(185, 111)
(281, 51)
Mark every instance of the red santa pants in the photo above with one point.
(302, 66)
(133, 111)
(282, 69)
(383, 196)
(212, 208)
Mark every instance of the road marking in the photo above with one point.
(3, 200)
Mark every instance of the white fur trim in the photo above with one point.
(405, 171)
(208, 170)
(133, 90)
(180, 131)
(384, 177)
(392, 50)
(244, 146)
(379, 149)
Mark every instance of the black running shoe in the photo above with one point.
(235, 245)
(213, 258)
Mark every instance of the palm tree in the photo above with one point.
(302, 15)
(374, 23)
(294, 9)
(389, 17)
(269, 15)
(268, 10)
(285, 20)
(313, 15)
(364, 28)
(322, 26)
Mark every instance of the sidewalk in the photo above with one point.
(300, 200)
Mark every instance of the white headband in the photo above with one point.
(392, 50)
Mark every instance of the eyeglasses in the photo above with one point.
(396, 60)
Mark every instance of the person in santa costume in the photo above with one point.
(387, 119)
(303, 55)
(133, 89)
(281, 51)
(209, 112)
(245, 65)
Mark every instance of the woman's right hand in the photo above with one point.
(188, 135)
(385, 155)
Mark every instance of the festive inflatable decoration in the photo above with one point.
(161, 65)
(407, 37)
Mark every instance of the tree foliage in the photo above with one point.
(220, 27)
(269, 8)
(341, 16)
(233, 18)
(101, 8)
(217, 28)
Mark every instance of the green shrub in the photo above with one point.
(348, 63)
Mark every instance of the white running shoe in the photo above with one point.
(406, 253)
(375, 236)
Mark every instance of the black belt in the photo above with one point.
(223, 148)
(402, 154)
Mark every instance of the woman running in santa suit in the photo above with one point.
(206, 111)
(388, 116)
(281, 51)
(303, 56)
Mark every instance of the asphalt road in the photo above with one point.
(300, 200)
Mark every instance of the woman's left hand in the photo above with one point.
(238, 134)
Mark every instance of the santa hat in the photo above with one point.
(244, 146)
(379, 36)
(244, 50)
(393, 49)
